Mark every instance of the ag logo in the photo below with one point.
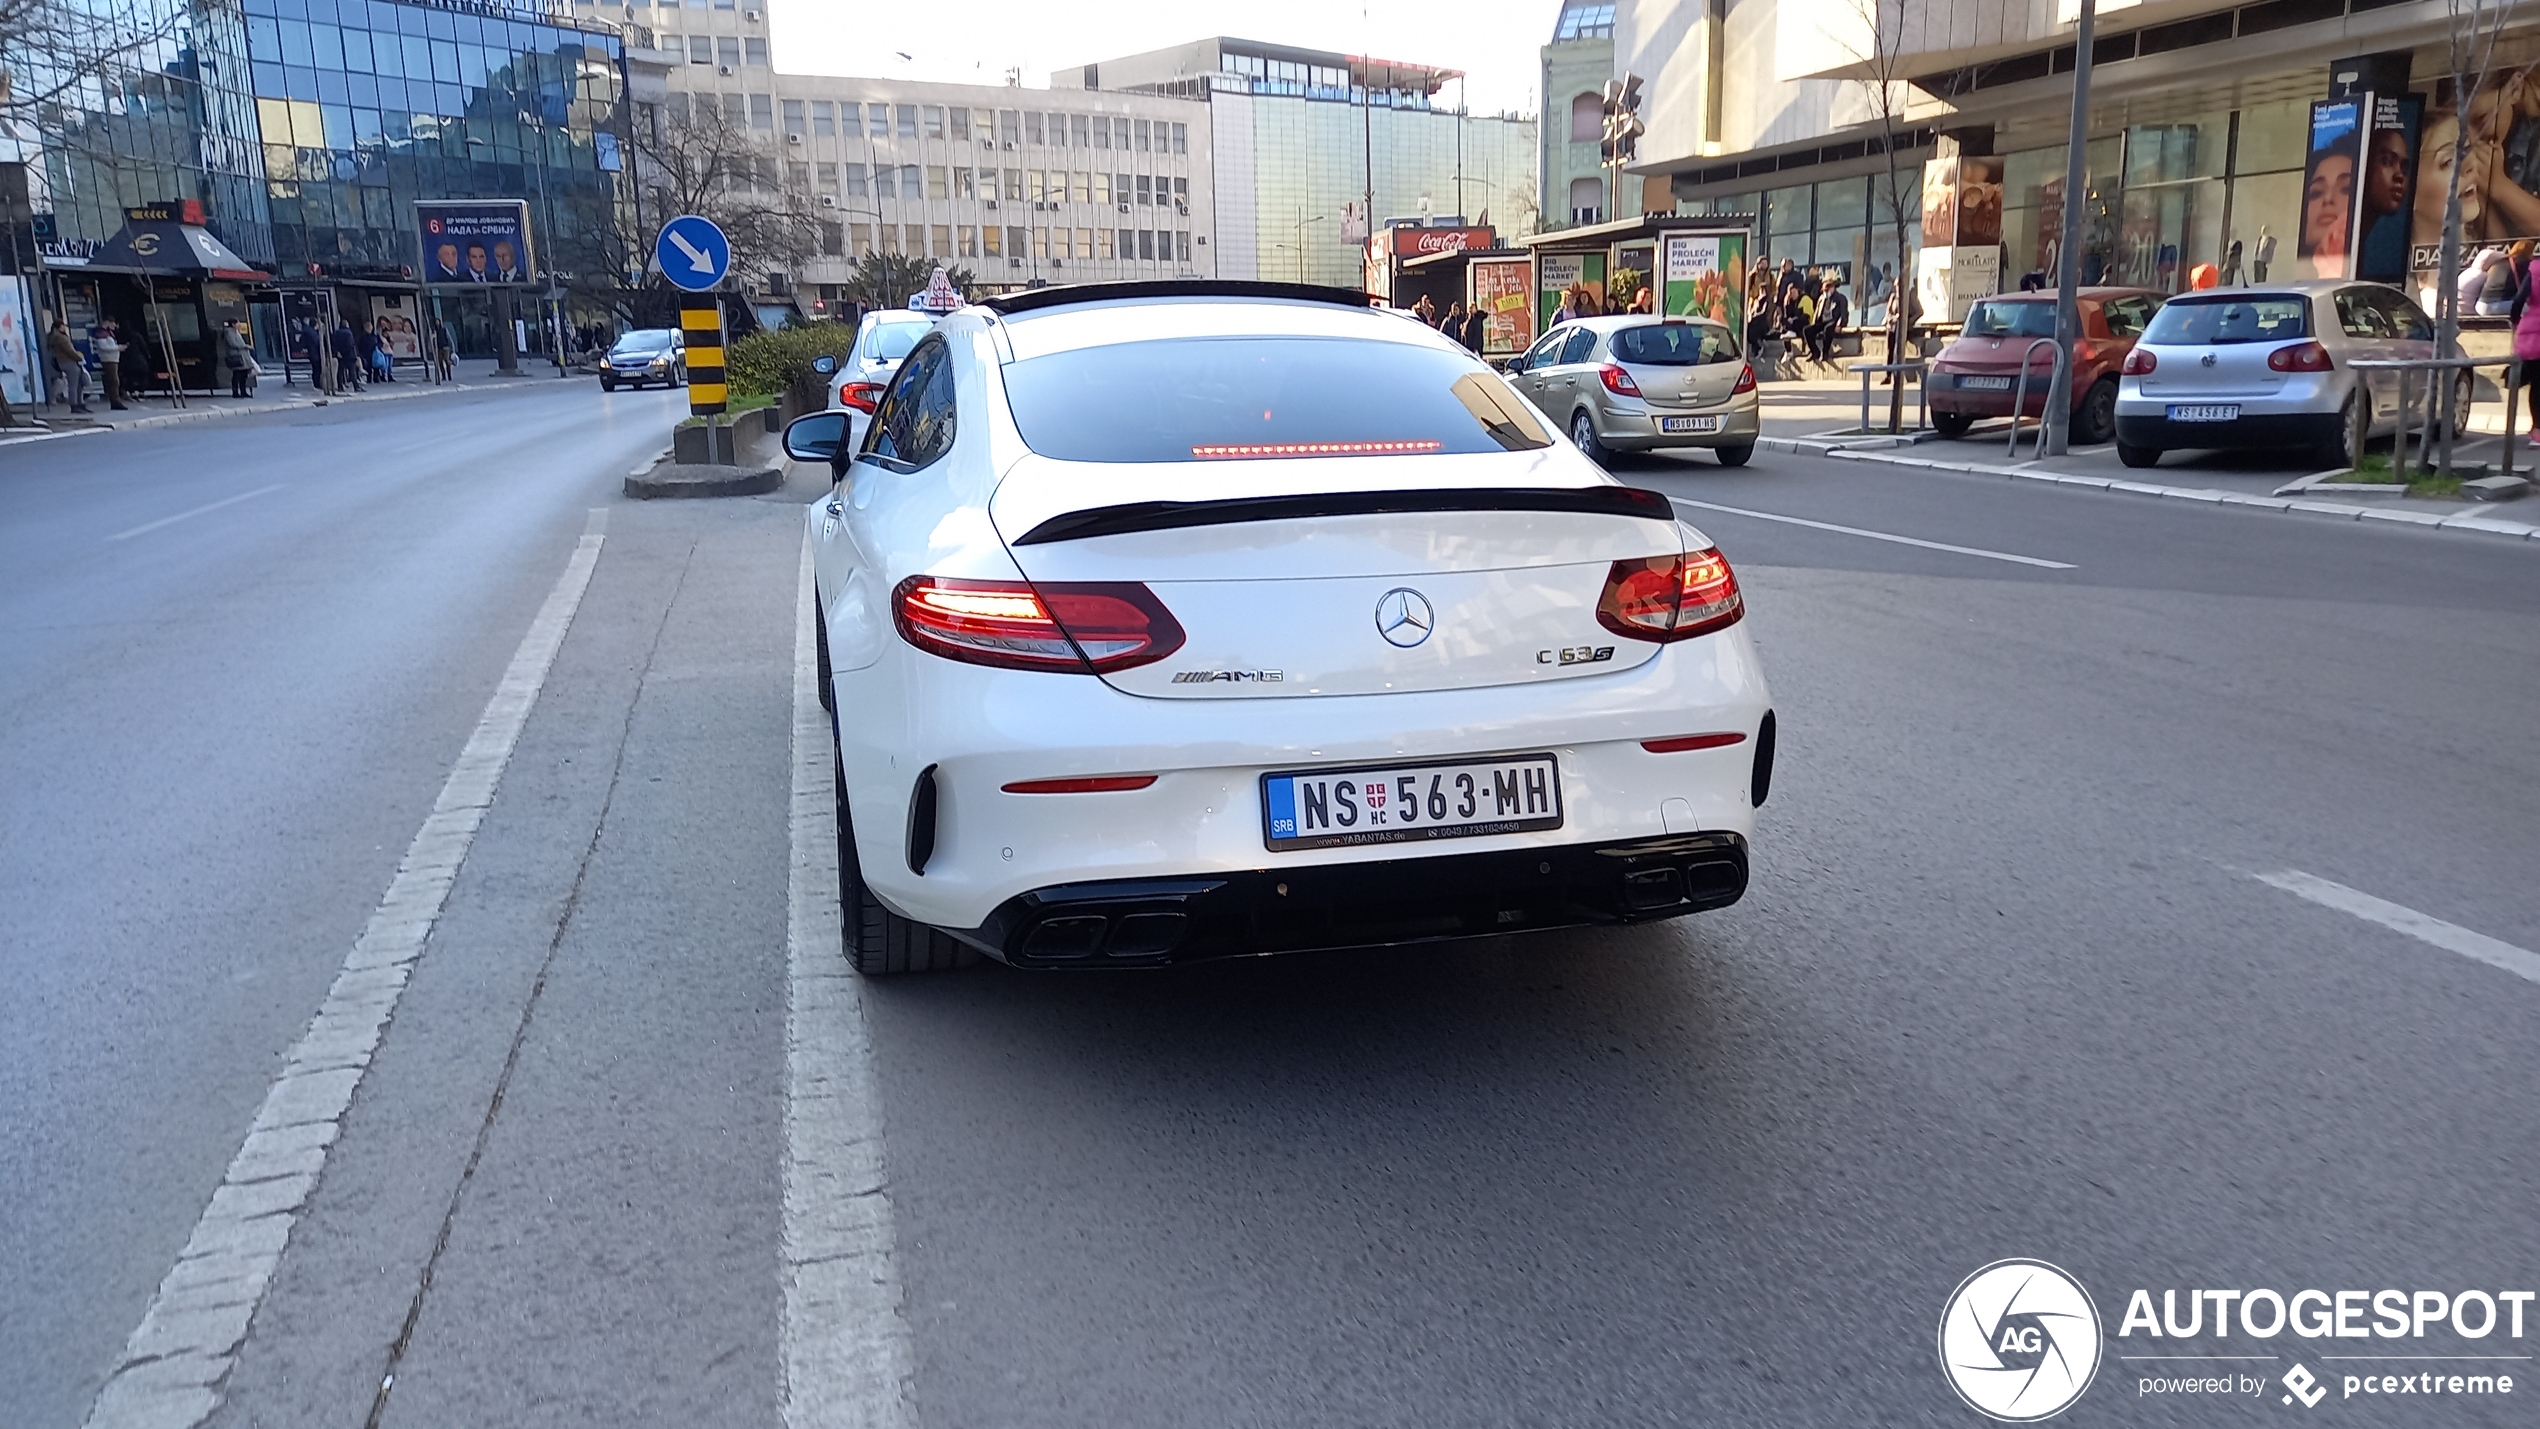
(2019, 1340)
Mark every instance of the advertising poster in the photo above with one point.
(2386, 200)
(474, 241)
(2328, 187)
(17, 344)
(2498, 151)
(1705, 277)
(1499, 289)
(1962, 201)
(1557, 273)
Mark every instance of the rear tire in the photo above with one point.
(1583, 436)
(1736, 455)
(2342, 451)
(875, 940)
(2133, 455)
(1951, 424)
(2095, 420)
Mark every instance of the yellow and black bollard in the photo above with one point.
(701, 322)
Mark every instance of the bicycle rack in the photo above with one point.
(2019, 397)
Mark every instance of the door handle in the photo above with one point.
(837, 512)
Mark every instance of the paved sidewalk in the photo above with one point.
(271, 396)
(1822, 418)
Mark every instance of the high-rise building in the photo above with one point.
(1575, 66)
(1308, 145)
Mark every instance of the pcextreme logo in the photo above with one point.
(2019, 1340)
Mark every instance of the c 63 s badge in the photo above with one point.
(1232, 677)
(1575, 655)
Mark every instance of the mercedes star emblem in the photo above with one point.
(1403, 617)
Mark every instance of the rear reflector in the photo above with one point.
(1100, 784)
(1072, 628)
(1683, 742)
(1664, 598)
(1288, 449)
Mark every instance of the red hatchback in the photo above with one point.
(1975, 375)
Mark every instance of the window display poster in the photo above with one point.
(2328, 187)
(2386, 194)
(2498, 152)
(1705, 277)
(1558, 273)
(1499, 290)
(17, 344)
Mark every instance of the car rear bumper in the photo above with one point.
(2251, 429)
(1154, 921)
(1946, 395)
(1638, 431)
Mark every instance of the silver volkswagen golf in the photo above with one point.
(1637, 383)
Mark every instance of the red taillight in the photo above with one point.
(1617, 381)
(2301, 357)
(1097, 784)
(1071, 628)
(1745, 380)
(863, 396)
(1666, 598)
(1683, 742)
(2139, 361)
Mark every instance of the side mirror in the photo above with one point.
(818, 437)
(1516, 364)
(824, 364)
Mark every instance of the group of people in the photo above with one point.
(1805, 307)
(348, 357)
(1581, 301)
(1465, 325)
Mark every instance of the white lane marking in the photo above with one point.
(188, 1340)
(1877, 535)
(197, 511)
(2451, 937)
(847, 1353)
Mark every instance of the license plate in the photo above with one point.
(1401, 803)
(1985, 384)
(1688, 424)
(2205, 412)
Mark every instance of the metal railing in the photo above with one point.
(2399, 440)
(1922, 400)
(2019, 396)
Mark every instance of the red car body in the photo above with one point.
(2000, 330)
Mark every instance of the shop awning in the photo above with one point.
(168, 247)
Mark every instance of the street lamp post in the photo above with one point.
(1299, 227)
(2059, 389)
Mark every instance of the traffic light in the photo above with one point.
(1621, 143)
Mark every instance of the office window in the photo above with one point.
(1142, 136)
(891, 238)
(1120, 188)
(727, 50)
(908, 121)
(798, 177)
(917, 239)
(860, 238)
(754, 50)
(1128, 245)
(964, 185)
(1146, 245)
(1032, 127)
(877, 121)
(1082, 125)
(1102, 131)
(736, 110)
(1014, 183)
(1058, 131)
(833, 243)
(992, 242)
(825, 177)
(675, 109)
(667, 43)
(938, 184)
(886, 181)
(1016, 242)
(763, 111)
(1063, 244)
(961, 125)
(969, 241)
(983, 124)
(1146, 194)
(1010, 126)
(700, 50)
(767, 175)
(855, 180)
(851, 119)
(943, 240)
(1038, 190)
(1181, 195)
(824, 118)
(1182, 245)
(988, 185)
(1102, 188)
(1084, 187)
(1181, 138)
(1041, 243)
(908, 181)
(1102, 244)
(793, 116)
(934, 121)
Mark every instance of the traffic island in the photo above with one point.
(678, 479)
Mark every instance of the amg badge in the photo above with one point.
(1575, 655)
(1210, 677)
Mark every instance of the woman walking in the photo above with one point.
(239, 355)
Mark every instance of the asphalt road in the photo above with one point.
(2006, 983)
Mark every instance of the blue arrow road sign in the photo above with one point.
(693, 253)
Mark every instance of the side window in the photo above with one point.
(930, 422)
(1581, 339)
(1717, 346)
(2407, 320)
(888, 437)
(2126, 316)
(2359, 316)
(1548, 351)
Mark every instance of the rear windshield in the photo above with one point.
(647, 340)
(2029, 319)
(2214, 321)
(1186, 399)
(1673, 345)
(891, 341)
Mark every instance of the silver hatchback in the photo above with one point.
(1640, 383)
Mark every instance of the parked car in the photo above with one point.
(1168, 621)
(653, 354)
(882, 339)
(2269, 367)
(1977, 374)
(1639, 383)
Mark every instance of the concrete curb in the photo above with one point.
(2473, 520)
(212, 413)
(674, 480)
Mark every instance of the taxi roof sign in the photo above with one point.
(939, 297)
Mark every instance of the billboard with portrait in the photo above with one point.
(2385, 198)
(2495, 141)
(474, 242)
(2328, 187)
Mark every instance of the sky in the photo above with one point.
(1494, 42)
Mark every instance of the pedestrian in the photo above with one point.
(444, 354)
(348, 356)
(1476, 330)
(1425, 310)
(70, 371)
(107, 344)
(1645, 301)
(2527, 353)
(1833, 310)
(238, 354)
(1453, 323)
(1569, 309)
(383, 357)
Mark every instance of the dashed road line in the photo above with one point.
(177, 1358)
(2424, 927)
(1879, 535)
(197, 511)
(847, 1359)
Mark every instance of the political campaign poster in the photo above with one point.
(474, 242)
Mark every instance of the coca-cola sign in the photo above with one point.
(1421, 242)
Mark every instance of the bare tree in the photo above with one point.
(713, 166)
(1878, 46)
(886, 280)
(2471, 31)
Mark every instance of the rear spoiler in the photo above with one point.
(1176, 515)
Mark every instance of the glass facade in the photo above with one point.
(1309, 158)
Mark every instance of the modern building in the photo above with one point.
(2203, 125)
(1575, 66)
(1306, 144)
(302, 132)
(1017, 186)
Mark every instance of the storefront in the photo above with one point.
(1393, 252)
(170, 286)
